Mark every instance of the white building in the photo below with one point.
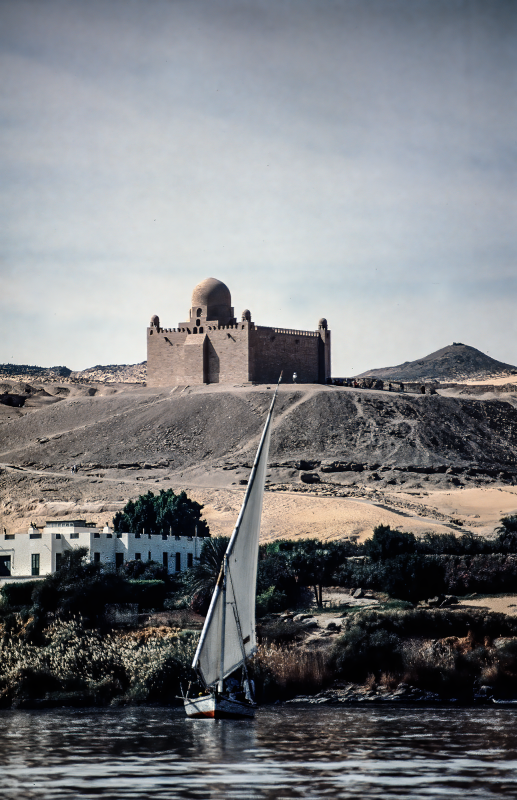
(39, 551)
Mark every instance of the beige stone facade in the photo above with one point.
(214, 347)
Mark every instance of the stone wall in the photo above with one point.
(218, 355)
(325, 355)
(227, 354)
(165, 356)
(273, 350)
(237, 353)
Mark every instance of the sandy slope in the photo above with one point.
(130, 439)
(506, 604)
(39, 495)
(508, 379)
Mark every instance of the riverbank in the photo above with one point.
(404, 694)
(374, 654)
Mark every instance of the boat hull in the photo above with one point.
(213, 706)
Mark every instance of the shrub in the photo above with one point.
(78, 587)
(148, 594)
(386, 544)
(407, 577)
(379, 641)
(270, 601)
(360, 652)
(16, 595)
(280, 632)
(145, 570)
(492, 572)
(76, 665)
(176, 602)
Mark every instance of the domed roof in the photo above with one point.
(211, 292)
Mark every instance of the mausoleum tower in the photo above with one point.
(211, 303)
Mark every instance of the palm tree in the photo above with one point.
(203, 576)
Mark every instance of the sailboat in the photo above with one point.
(228, 635)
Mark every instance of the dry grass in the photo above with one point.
(371, 681)
(390, 680)
(279, 669)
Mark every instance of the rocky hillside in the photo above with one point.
(27, 372)
(210, 429)
(456, 362)
(326, 442)
(112, 373)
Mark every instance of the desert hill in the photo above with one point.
(32, 372)
(327, 442)
(208, 425)
(455, 362)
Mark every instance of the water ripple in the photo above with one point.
(285, 753)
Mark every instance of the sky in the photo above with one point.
(352, 159)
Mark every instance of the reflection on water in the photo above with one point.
(290, 752)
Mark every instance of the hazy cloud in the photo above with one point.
(348, 159)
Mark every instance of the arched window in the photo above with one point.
(199, 312)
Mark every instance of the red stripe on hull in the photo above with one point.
(219, 715)
(205, 715)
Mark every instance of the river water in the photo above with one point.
(286, 752)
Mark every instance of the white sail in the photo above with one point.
(232, 609)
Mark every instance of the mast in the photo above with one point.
(220, 685)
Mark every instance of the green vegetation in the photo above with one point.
(80, 588)
(57, 647)
(163, 513)
(74, 664)
(451, 653)
(202, 578)
(399, 564)
(416, 569)
(443, 651)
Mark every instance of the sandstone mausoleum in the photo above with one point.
(214, 347)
